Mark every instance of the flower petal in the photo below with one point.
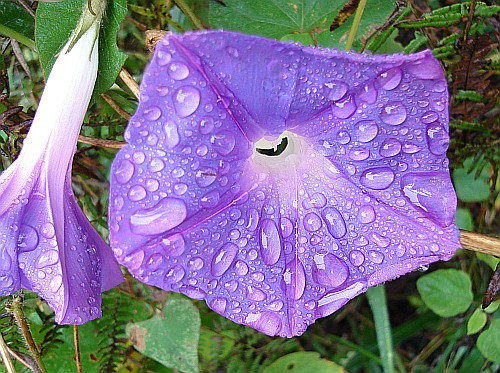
(360, 194)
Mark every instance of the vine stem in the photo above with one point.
(355, 24)
(480, 242)
(78, 356)
(190, 14)
(16, 309)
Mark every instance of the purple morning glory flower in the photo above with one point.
(276, 181)
(47, 244)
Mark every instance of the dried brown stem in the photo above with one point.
(480, 243)
(78, 357)
(116, 107)
(129, 82)
(111, 144)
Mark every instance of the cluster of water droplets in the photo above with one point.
(356, 204)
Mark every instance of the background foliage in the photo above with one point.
(436, 320)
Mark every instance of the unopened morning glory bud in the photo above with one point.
(46, 243)
(276, 181)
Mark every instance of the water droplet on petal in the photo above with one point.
(334, 222)
(154, 261)
(152, 113)
(344, 108)
(27, 239)
(218, 305)
(343, 137)
(429, 117)
(317, 200)
(231, 286)
(174, 245)
(205, 177)
(437, 139)
(312, 222)
(223, 142)
(241, 267)
(210, 199)
(223, 259)
(48, 230)
(265, 322)
(379, 240)
(174, 274)
(410, 148)
(338, 89)
(156, 165)
(366, 214)
(195, 263)
(136, 193)
(178, 71)
(186, 101)
(390, 147)
(193, 292)
(333, 300)
(253, 219)
(163, 58)
(390, 79)
(328, 270)
(368, 94)
(55, 283)
(124, 172)
(294, 279)
(47, 258)
(276, 305)
(376, 257)
(270, 242)
(359, 154)
(377, 178)
(172, 138)
(165, 215)
(393, 113)
(255, 294)
(365, 130)
(206, 125)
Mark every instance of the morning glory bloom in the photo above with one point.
(277, 182)
(46, 243)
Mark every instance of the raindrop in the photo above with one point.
(338, 89)
(343, 137)
(136, 193)
(376, 257)
(55, 283)
(276, 305)
(152, 113)
(265, 322)
(178, 71)
(195, 263)
(344, 108)
(328, 270)
(410, 148)
(255, 294)
(178, 172)
(156, 165)
(390, 147)
(154, 261)
(218, 305)
(377, 178)
(317, 200)
(356, 257)
(205, 177)
(241, 268)
(390, 79)
(379, 240)
(359, 154)
(193, 292)
(206, 125)
(429, 117)
(223, 258)
(223, 142)
(27, 239)
(366, 214)
(286, 226)
(334, 222)
(152, 185)
(210, 199)
(48, 230)
(163, 58)
(138, 157)
(437, 139)
(294, 279)
(365, 130)
(231, 286)
(174, 245)
(47, 258)
(312, 222)
(180, 189)
(165, 215)
(174, 274)
(124, 172)
(270, 242)
(368, 94)
(186, 101)
(393, 113)
(172, 138)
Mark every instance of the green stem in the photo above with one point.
(355, 24)
(190, 14)
(13, 34)
(16, 309)
(378, 304)
(78, 356)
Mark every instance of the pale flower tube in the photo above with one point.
(46, 243)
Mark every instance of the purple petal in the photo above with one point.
(360, 195)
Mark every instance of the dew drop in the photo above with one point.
(286, 226)
(152, 185)
(312, 222)
(193, 292)
(366, 214)
(335, 223)
(379, 240)
(154, 261)
(174, 245)
(48, 230)
(429, 117)
(186, 101)
(377, 178)
(55, 283)
(390, 79)
(376, 257)
(152, 113)
(359, 154)
(356, 257)
(328, 270)
(317, 200)
(265, 322)
(205, 177)
(165, 215)
(124, 172)
(174, 274)
(437, 139)
(270, 242)
(255, 294)
(338, 89)
(368, 94)
(344, 108)
(241, 268)
(276, 305)
(27, 239)
(223, 142)
(210, 199)
(390, 147)
(195, 263)
(177, 172)
(47, 258)
(178, 71)
(223, 259)
(393, 113)
(231, 286)
(206, 125)
(136, 193)
(163, 58)
(365, 130)
(343, 137)
(156, 165)
(218, 304)
(138, 157)
(172, 134)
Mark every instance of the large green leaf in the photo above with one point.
(303, 362)
(489, 342)
(447, 292)
(301, 20)
(468, 187)
(56, 21)
(170, 338)
(13, 16)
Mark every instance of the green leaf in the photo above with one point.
(56, 21)
(277, 19)
(446, 292)
(171, 338)
(488, 342)
(491, 260)
(463, 219)
(492, 307)
(476, 322)
(16, 18)
(303, 362)
(468, 188)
